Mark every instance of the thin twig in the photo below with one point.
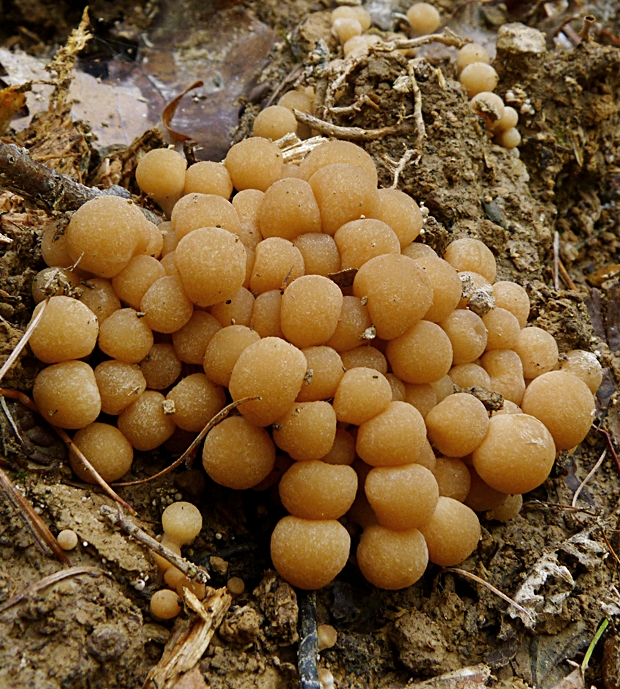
(308, 642)
(117, 518)
(556, 260)
(397, 167)
(23, 340)
(610, 446)
(348, 133)
(447, 38)
(20, 397)
(49, 581)
(343, 70)
(294, 150)
(43, 537)
(559, 506)
(593, 471)
(417, 107)
(355, 107)
(91, 469)
(492, 588)
(609, 546)
(188, 455)
(11, 420)
(27, 402)
(565, 276)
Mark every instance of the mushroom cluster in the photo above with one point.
(359, 345)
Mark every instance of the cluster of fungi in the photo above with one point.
(365, 358)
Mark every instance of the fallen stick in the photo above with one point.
(117, 518)
(47, 188)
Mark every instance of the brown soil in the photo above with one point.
(94, 629)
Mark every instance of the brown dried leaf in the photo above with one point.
(572, 681)
(12, 100)
(598, 277)
(171, 108)
(344, 278)
(189, 639)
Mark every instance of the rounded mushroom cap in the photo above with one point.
(237, 454)
(181, 522)
(309, 553)
(392, 559)
(106, 448)
(67, 330)
(452, 534)
(564, 404)
(516, 455)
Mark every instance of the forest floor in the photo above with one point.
(94, 629)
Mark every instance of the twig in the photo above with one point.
(556, 260)
(593, 471)
(27, 402)
(117, 518)
(11, 420)
(609, 546)
(190, 638)
(47, 188)
(343, 70)
(417, 107)
(565, 276)
(49, 581)
(292, 76)
(492, 588)
(447, 38)
(294, 150)
(610, 446)
(43, 537)
(20, 397)
(23, 340)
(188, 455)
(559, 506)
(308, 642)
(355, 107)
(397, 167)
(348, 133)
(91, 469)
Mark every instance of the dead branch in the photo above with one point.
(47, 188)
(43, 537)
(348, 133)
(610, 446)
(190, 638)
(49, 581)
(117, 518)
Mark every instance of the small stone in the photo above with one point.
(520, 39)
